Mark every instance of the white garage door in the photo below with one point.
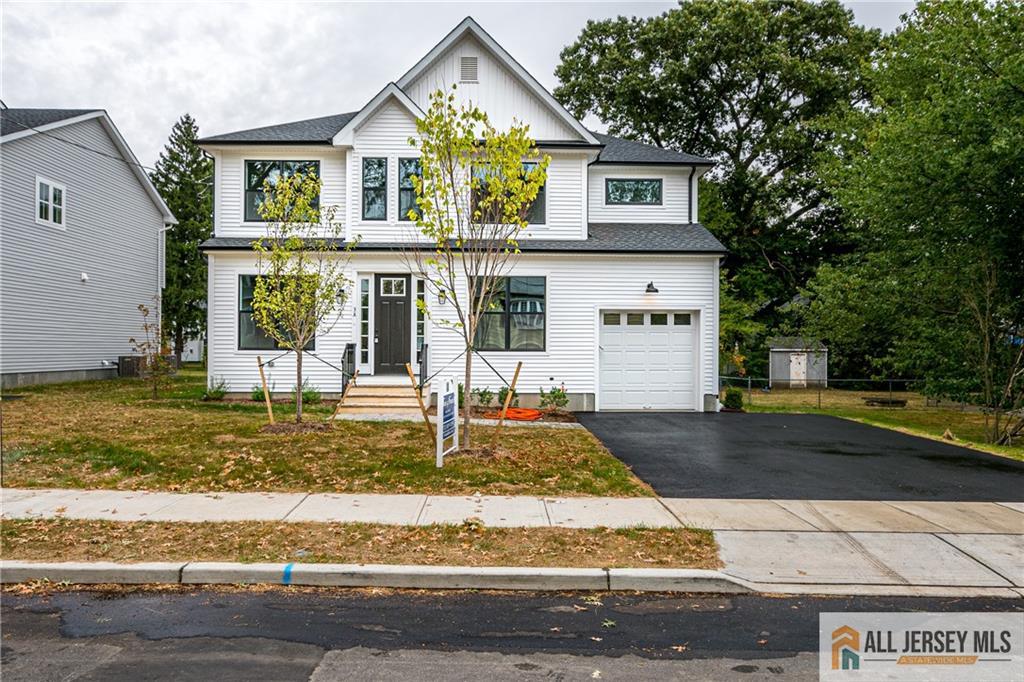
(647, 360)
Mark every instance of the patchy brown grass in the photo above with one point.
(468, 544)
(110, 434)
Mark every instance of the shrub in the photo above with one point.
(733, 398)
(216, 390)
(503, 393)
(310, 393)
(556, 399)
(257, 392)
(484, 396)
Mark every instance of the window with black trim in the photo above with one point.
(536, 214)
(250, 335)
(257, 172)
(516, 317)
(407, 168)
(375, 188)
(632, 191)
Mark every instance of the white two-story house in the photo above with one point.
(615, 293)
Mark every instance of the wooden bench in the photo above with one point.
(885, 402)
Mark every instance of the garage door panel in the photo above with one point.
(647, 366)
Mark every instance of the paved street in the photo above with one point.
(798, 457)
(328, 635)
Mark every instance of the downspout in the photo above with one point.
(689, 194)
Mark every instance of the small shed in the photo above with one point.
(797, 362)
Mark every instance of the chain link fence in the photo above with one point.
(831, 393)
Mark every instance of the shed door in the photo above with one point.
(798, 370)
(647, 360)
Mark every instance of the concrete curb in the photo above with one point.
(375, 575)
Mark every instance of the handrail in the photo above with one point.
(348, 365)
(423, 366)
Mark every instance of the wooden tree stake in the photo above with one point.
(350, 384)
(266, 393)
(508, 399)
(419, 399)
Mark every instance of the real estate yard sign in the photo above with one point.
(447, 420)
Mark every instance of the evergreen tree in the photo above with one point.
(183, 176)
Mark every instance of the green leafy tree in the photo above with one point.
(301, 287)
(935, 184)
(749, 84)
(473, 195)
(183, 176)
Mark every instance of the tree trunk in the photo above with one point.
(179, 345)
(298, 387)
(467, 408)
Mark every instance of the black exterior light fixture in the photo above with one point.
(651, 289)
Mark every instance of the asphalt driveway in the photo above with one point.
(798, 456)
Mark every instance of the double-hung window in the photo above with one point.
(632, 192)
(49, 202)
(258, 172)
(536, 213)
(515, 318)
(250, 335)
(407, 168)
(375, 188)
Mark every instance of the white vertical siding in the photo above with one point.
(578, 287)
(49, 319)
(229, 213)
(498, 92)
(675, 198)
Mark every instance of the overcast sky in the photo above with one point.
(148, 63)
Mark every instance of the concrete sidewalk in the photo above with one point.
(521, 511)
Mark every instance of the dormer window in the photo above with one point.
(468, 70)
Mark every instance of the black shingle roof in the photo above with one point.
(602, 238)
(311, 131)
(322, 131)
(618, 150)
(16, 120)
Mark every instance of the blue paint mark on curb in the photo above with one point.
(286, 579)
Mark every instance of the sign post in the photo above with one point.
(448, 420)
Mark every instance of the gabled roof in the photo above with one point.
(390, 91)
(24, 120)
(606, 238)
(795, 343)
(468, 26)
(619, 151)
(43, 121)
(309, 131)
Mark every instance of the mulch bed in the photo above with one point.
(480, 413)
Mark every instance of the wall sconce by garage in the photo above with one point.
(85, 277)
(651, 289)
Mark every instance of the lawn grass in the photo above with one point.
(112, 434)
(468, 544)
(917, 418)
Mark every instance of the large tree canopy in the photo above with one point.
(935, 185)
(183, 176)
(750, 85)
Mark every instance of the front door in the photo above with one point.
(392, 317)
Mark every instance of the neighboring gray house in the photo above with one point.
(81, 245)
(797, 362)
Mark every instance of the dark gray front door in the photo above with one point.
(392, 316)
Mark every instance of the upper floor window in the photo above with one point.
(407, 168)
(629, 191)
(375, 189)
(256, 172)
(49, 202)
(515, 318)
(536, 213)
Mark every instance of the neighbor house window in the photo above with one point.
(407, 168)
(536, 214)
(632, 192)
(515, 318)
(375, 189)
(258, 172)
(250, 335)
(49, 202)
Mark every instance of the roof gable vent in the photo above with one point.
(468, 70)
